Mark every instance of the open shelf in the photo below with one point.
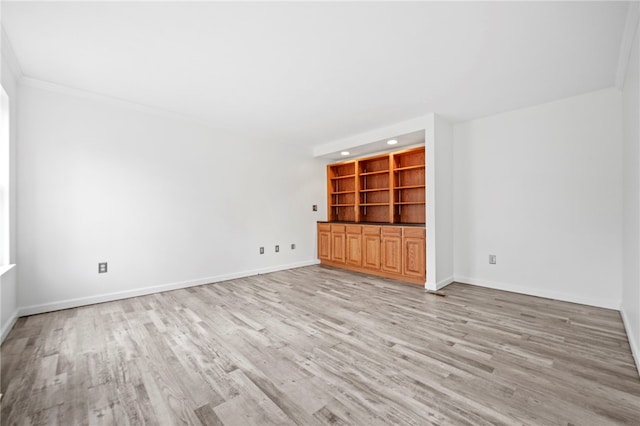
(387, 188)
(374, 173)
(409, 187)
(374, 190)
(402, 169)
(343, 177)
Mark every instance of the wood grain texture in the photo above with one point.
(318, 346)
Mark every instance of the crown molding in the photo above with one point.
(9, 56)
(630, 28)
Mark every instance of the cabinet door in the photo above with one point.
(371, 247)
(324, 245)
(338, 237)
(413, 253)
(391, 250)
(324, 241)
(354, 245)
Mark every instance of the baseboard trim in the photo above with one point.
(109, 297)
(8, 326)
(635, 349)
(443, 283)
(530, 291)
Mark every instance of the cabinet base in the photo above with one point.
(376, 272)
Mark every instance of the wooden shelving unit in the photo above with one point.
(374, 198)
(341, 191)
(409, 186)
(384, 197)
(388, 188)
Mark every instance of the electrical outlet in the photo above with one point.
(277, 249)
(315, 207)
(102, 267)
(492, 259)
(261, 250)
(293, 246)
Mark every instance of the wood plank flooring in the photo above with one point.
(318, 346)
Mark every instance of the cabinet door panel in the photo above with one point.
(414, 263)
(391, 253)
(338, 246)
(354, 249)
(371, 251)
(324, 245)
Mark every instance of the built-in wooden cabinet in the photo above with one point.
(388, 188)
(409, 186)
(354, 245)
(389, 251)
(369, 201)
(414, 254)
(341, 191)
(338, 240)
(371, 247)
(374, 189)
(324, 241)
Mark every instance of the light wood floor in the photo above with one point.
(316, 346)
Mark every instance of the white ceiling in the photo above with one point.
(315, 72)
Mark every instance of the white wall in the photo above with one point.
(444, 200)
(631, 202)
(9, 73)
(541, 188)
(165, 202)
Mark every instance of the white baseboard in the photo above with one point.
(109, 297)
(8, 326)
(443, 283)
(532, 291)
(635, 349)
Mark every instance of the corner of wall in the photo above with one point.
(6, 328)
(9, 56)
(635, 349)
(630, 28)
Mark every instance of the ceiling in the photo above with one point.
(315, 72)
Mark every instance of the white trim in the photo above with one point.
(9, 325)
(9, 55)
(6, 268)
(98, 97)
(431, 286)
(630, 28)
(430, 208)
(109, 297)
(635, 349)
(531, 291)
(443, 283)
